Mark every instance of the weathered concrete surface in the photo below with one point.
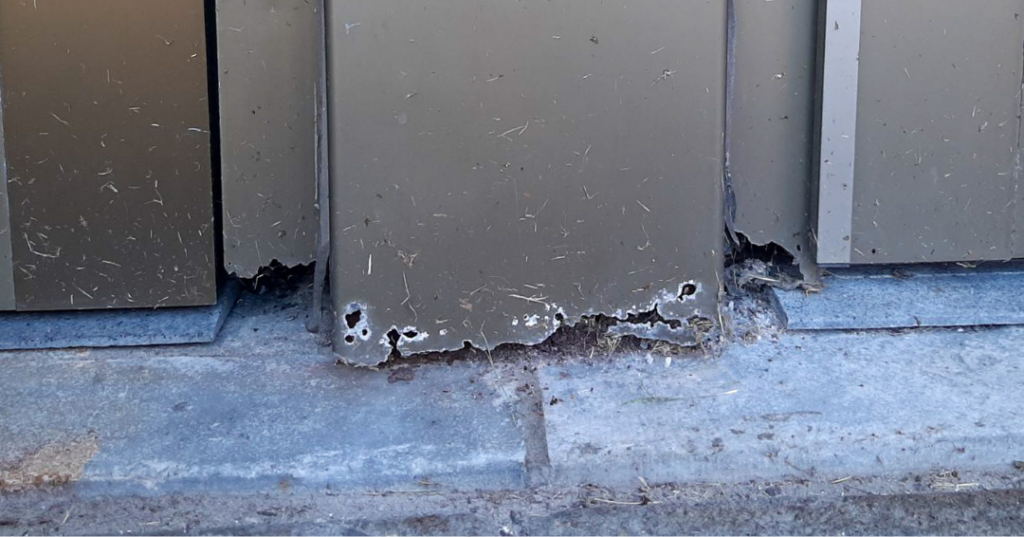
(268, 56)
(772, 124)
(869, 297)
(823, 406)
(263, 408)
(907, 505)
(186, 423)
(107, 126)
(266, 409)
(503, 169)
(937, 165)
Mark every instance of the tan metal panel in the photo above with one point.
(501, 168)
(7, 301)
(773, 123)
(108, 151)
(268, 52)
(937, 130)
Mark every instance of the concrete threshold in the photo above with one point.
(864, 298)
(266, 410)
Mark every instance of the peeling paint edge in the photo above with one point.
(644, 321)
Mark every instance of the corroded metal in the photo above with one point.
(500, 169)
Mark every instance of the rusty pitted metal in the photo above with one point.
(506, 169)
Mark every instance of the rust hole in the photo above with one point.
(352, 319)
(689, 289)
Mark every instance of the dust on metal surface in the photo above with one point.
(268, 53)
(772, 124)
(7, 301)
(108, 153)
(500, 169)
(938, 131)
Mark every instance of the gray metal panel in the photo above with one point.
(838, 137)
(940, 84)
(268, 54)
(497, 165)
(7, 301)
(772, 126)
(108, 153)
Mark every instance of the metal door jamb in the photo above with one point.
(838, 131)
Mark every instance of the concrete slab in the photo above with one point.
(146, 423)
(872, 297)
(811, 406)
(265, 411)
(116, 328)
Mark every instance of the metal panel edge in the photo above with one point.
(840, 75)
(7, 300)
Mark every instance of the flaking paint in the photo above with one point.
(497, 161)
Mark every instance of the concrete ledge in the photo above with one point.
(186, 423)
(935, 296)
(117, 328)
(819, 406)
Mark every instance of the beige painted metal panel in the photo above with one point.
(7, 301)
(773, 119)
(106, 117)
(502, 168)
(268, 56)
(937, 133)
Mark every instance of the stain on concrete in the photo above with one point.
(57, 463)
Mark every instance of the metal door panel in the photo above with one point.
(772, 126)
(108, 153)
(268, 55)
(936, 169)
(502, 168)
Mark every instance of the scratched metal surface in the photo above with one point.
(497, 165)
(7, 301)
(108, 153)
(773, 124)
(937, 131)
(268, 53)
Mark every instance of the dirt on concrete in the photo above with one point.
(57, 463)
